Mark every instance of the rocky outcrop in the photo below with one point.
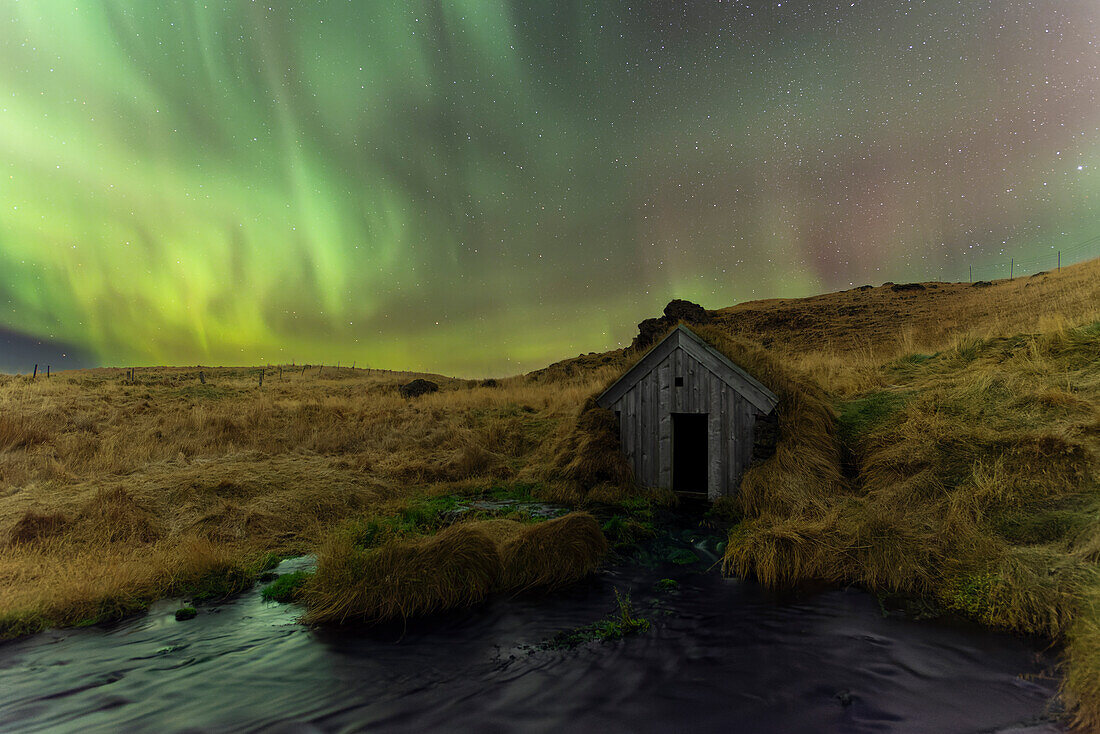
(676, 311)
(418, 387)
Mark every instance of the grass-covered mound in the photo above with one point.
(459, 566)
(589, 457)
(974, 476)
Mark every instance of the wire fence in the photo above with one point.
(1012, 267)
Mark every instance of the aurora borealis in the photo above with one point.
(481, 187)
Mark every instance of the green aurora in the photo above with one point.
(481, 187)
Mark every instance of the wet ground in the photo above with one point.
(721, 655)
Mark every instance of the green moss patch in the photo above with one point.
(287, 588)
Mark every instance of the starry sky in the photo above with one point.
(481, 187)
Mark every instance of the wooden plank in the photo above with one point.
(677, 392)
(648, 438)
(729, 401)
(664, 425)
(736, 446)
(655, 430)
(695, 375)
(626, 432)
(643, 367)
(747, 420)
(716, 446)
(756, 393)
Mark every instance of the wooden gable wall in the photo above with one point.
(645, 410)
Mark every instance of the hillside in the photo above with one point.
(954, 428)
(872, 324)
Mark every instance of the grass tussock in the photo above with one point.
(805, 473)
(974, 482)
(589, 455)
(552, 554)
(36, 527)
(460, 566)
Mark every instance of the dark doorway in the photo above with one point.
(689, 453)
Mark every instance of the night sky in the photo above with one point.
(481, 187)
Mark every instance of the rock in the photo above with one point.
(677, 310)
(185, 613)
(648, 332)
(845, 698)
(980, 284)
(865, 288)
(418, 387)
(907, 287)
(681, 310)
(765, 437)
(490, 383)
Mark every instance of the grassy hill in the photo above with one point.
(937, 440)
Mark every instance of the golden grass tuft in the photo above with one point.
(458, 567)
(589, 455)
(112, 515)
(804, 476)
(1081, 687)
(35, 527)
(20, 432)
(552, 554)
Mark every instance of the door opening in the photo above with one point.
(690, 462)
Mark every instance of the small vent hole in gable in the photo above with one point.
(679, 382)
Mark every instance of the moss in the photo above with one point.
(667, 585)
(286, 588)
(979, 596)
(626, 533)
(621, 623)
(1021, 527)
(18, 624)
(861, 416)
(681, 557)
(216, 583)
(185, 613)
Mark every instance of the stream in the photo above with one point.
(721, 655)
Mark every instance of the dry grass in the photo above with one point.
(458, 567)
(552, 554)
(964, 467)
(974, 481)
(97, 473)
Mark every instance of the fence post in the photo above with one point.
(35, 375)
(47, 372)
(261, 377)
(1011, 268)
(971, 273)
(1059, 259)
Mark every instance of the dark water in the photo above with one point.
(721, 656)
